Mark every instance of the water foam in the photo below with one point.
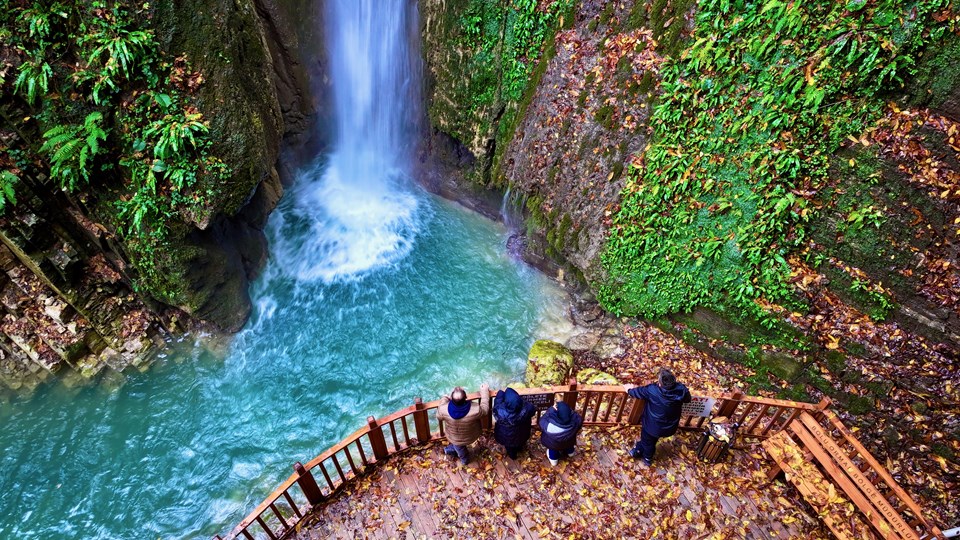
(356, 210)
(351, 219)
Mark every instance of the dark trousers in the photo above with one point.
(512, 451)
(459, 451)
(557, 454)
(646, 446)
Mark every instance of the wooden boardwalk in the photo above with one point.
(599, 493)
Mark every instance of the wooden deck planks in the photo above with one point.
(424, 494)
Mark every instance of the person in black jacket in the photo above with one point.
(661, 416)
(512, 415)
(559, 426)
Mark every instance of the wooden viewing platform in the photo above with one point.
(361, 488)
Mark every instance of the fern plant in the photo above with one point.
(176, 134)
(71, 149)
(33, 80)
(7, 193)
(115, 54)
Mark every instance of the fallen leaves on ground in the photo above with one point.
(598, 493)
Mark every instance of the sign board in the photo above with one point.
(699, 406)
(541, 401)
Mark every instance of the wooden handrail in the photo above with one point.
(834, 422)
(596, 403)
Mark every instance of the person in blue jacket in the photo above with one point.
(512, 417)
(559, 426)
(661, 416)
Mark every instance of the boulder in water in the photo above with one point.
(549, 363)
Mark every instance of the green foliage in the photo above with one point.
(33, 80)
(71, 149)
(7, 194)
(880, 304)
(176, 133)
(761, 95)
(112, 107)
(115, 53)
(508, 37)
(866, 215)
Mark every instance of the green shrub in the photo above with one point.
(748, 112)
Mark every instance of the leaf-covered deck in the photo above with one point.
(599, 493)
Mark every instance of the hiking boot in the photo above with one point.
(635, 454)
(554, 462)
(645, 463)
(450, 451)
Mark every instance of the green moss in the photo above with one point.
(836, 361)
(672, 12)
(582, 99)
(561, 232)
(515, 113)
(943, 451)
(604, 116)
(595, 376)
(937, 74)
(879, 389)
(797, 392)
(617, 170)
(858, 405)
(607, 13)
(548, 363)
(637, 18)
(534, 207)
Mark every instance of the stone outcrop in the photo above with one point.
(66, 281)
(255, 92)
(96, 324)
(548, 364)
(565, 153)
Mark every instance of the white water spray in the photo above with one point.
(357, 211)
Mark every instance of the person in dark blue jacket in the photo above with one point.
(512, 415)
(661, 416)
(559, 426)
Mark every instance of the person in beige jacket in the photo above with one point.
(461, 420)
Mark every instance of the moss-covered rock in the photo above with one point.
(548, 364)
(595, 376)
(254, 92)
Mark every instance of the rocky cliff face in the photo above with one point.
(564, 147)
(876, 325)
(255, 91)
(66, 285)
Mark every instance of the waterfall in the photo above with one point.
(356, 209)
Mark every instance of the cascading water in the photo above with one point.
(375, 292)
(358, 202)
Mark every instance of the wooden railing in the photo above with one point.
(846, 449)
(599, 405)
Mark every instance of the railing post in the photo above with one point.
(636, 411)
(421, 421)
(570, 396)
(377, 441)
(730, 405)
(822, 406)
(308, 484)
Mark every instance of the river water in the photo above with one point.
(375, 293)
